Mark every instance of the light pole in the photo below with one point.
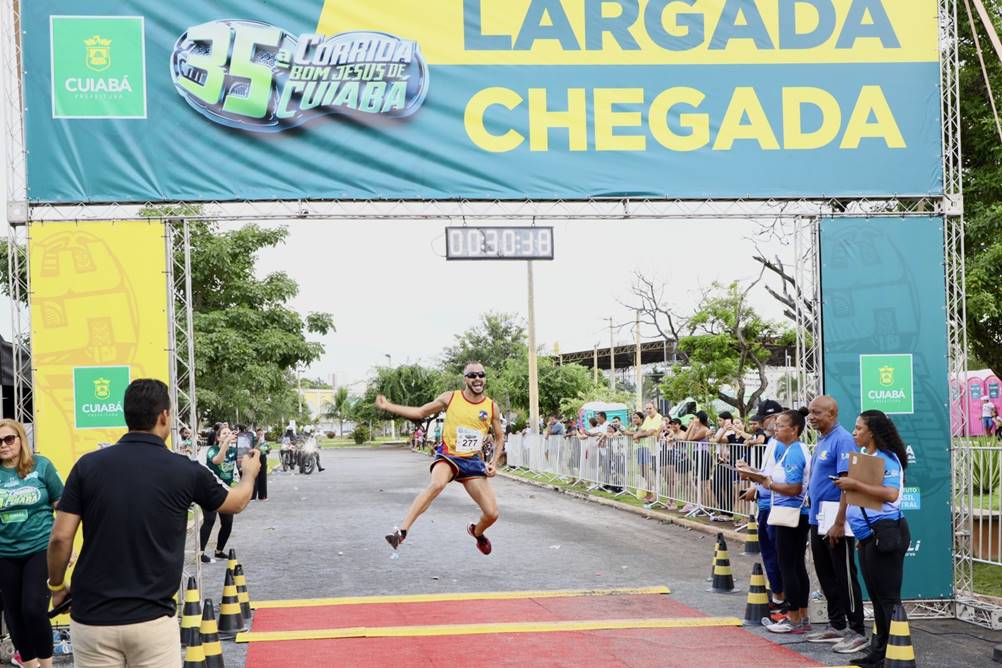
(393, 423)
(533, 365)
(612, 358)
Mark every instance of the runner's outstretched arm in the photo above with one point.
(498, 442)
(415, 413)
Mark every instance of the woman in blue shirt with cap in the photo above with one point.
(882, 535)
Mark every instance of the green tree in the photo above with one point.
(5, 268)
(338, 408)
(314, 384)
(556, 383)
(248, 339)
(495, 339)
(726, 343)
(982, 190)
(408, 385)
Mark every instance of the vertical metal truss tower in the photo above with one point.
(18, 287)
(807, 274)
(181, 366)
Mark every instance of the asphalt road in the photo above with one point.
(321, 535)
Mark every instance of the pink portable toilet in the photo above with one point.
(993, 388)
(975, 392)
(956, 399)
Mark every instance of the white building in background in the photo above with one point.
(316, 402)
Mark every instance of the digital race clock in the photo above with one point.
(499, 243)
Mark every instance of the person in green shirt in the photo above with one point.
(29, 489)
(261, 484)
(221, 458)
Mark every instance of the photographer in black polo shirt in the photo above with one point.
(133, 499)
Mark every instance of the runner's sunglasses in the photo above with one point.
(476, 374)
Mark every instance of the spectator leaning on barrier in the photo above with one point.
(133, 500)
(649, 430)
(725, 475)
(602, 422)
(554, 427)
(699, 432)
(31, 488)
(883, 534)
(834, 558)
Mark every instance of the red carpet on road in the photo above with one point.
(641, 648)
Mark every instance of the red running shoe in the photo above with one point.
(483, 543)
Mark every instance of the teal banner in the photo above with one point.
(187, 100)
(883, 315)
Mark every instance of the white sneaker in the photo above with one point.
(851, 643)
(785, 626)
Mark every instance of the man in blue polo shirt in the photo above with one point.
(833, 553)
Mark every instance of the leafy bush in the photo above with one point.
(987, 469)
(361, 434)
(331, 434)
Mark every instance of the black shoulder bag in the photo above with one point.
(886, 533)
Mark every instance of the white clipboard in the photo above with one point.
(826, 518)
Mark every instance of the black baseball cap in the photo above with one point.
(766, 409)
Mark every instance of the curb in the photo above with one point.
(730, 535)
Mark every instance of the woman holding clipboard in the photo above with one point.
(882, 535)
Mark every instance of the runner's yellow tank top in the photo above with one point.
(466, 425)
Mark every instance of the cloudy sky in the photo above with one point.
(392, 292)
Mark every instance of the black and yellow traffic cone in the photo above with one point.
(751, 545)
(231, 622)
(231, 561)
(723, 577)
(209, 633)
(242, 596)
(900, 653)
(758, 600)
(716, 553)
(194, 655)
(191, 614)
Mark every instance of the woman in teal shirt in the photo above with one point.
(882, 561)
(221, 458)
(29, 489)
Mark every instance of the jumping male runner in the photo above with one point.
(469, 416)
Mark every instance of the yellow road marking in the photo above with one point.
(475, 596)
(480, 629)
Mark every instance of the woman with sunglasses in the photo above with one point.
(882, 536)
(29, 490)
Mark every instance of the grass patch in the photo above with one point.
(988, 579)
(329, 443)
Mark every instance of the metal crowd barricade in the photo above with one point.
(984, 499)
(694, 478)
